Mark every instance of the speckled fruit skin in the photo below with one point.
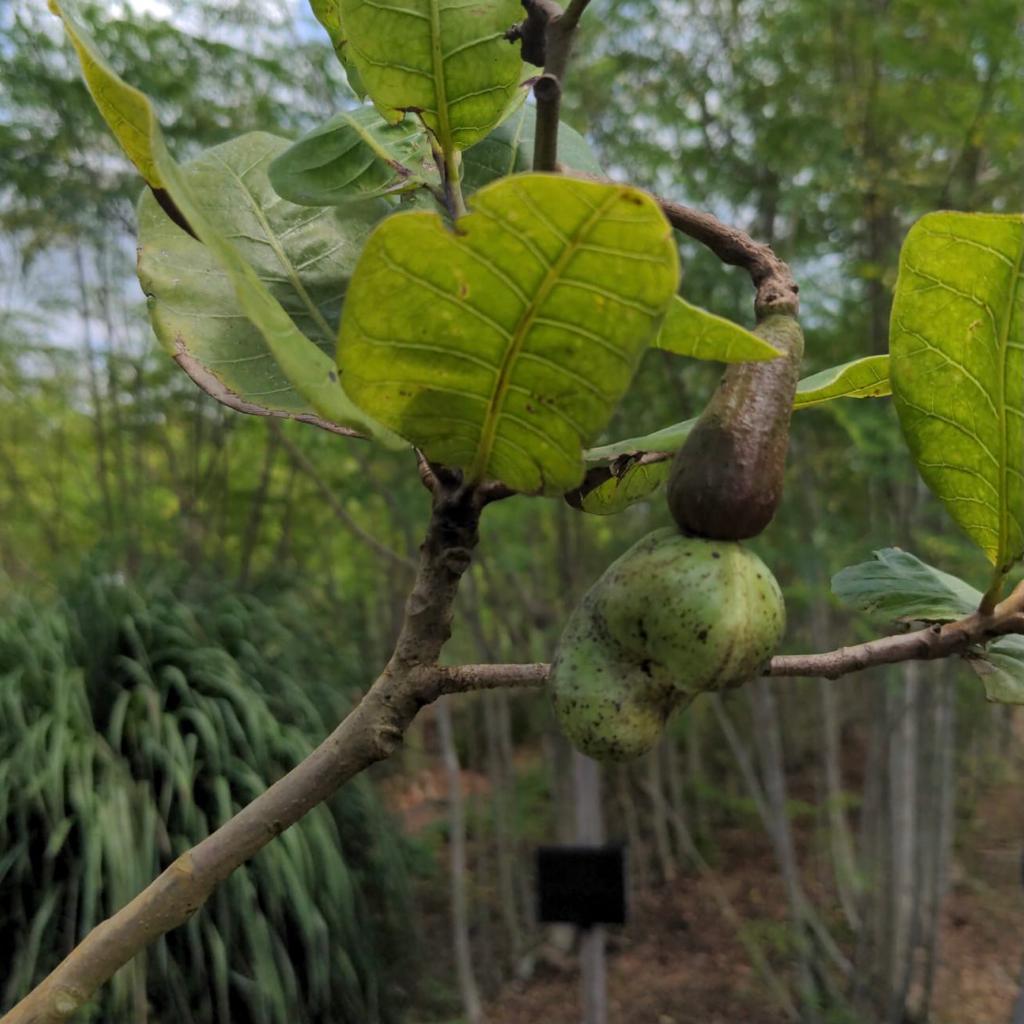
(675, 616)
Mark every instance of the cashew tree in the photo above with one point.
(443, 271)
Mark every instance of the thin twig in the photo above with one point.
(467, 678)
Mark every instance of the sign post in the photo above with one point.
(585, 885)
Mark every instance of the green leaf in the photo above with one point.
(309, 368)
(328, 13)
(847, 381)
(901, 586)
(192, 304)
(503, 347)
(126, 110)
(447, 61)
(861, 378)
(633, 482)
(1001, 670)
(509, 150)
(668, 439)
(957, 346)
(355, 156)
(636, 481)
(691, 331)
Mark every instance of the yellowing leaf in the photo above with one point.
(503, 347)
(328, 13)
(446, 61)
(126, 110)
(957, 365)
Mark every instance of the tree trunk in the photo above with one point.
(470, 994)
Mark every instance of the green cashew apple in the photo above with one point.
(675, 616)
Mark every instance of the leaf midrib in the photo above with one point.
(300, 289)
(440, 85)
(489, 427)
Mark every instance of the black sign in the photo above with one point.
(581, 885)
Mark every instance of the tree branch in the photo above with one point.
(372, 731)
(547, 35)
(466, 678)
(777, 291)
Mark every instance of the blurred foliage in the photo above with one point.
(134, 720)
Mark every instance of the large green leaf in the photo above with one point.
(861, 378)
(308, 367)
(957, 347)
(447, 61)
(901, 586)
(691, 331)
(328, 13)
(355, 156)
(505, 346)
(509, 150)
(193, 306)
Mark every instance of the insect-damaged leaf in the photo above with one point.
(505, 345)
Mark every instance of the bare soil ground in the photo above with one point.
(679, 961)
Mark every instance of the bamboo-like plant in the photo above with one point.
(132, 723)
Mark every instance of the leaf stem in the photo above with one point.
(994, 592)
(453, 183)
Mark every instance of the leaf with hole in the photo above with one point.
(503, 346)
(957, 365)
(445, 61)
(355, 156)
(861, 378)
